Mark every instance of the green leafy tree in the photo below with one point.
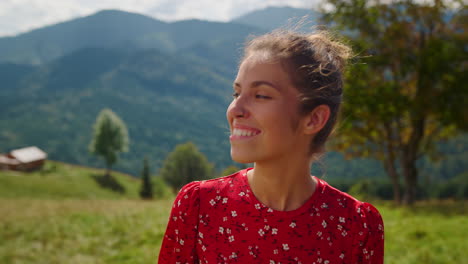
(146, 191)
(185, 164)
(110, 138)
(409, 90)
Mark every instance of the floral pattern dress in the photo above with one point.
(221, 221)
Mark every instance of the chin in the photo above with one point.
(242, 157)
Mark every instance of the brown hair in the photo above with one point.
(316, 64)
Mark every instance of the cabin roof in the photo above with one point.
(28, 154)
(6, 160)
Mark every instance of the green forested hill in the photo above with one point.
(163, 99)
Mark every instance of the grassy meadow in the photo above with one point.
(59, 180)
(66, 214)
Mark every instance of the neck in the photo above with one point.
(282, 186)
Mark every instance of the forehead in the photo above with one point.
(260, 67)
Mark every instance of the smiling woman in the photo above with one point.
(287, 94)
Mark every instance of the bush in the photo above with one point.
(185, 164)
(455, 188)
(160, 189)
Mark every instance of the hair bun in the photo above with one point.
(329, 51)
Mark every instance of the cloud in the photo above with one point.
(23, 15)
(221, 10)
(18, 16)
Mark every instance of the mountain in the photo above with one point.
(165, 97)
(114, 29)
(165, 100)
(279, 17)
(11, 74)
(109, 28)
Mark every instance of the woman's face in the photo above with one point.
(263, 116)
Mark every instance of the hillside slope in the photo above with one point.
(59, 180)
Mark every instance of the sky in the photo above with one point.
(18, 16)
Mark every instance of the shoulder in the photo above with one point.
(370, 219)
(188, 197)
(193, 190)
(224, 182)
(361, 212)
(189, 190)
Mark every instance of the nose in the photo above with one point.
(238, 109)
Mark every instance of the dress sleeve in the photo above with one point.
(178, 245)
(369, 236)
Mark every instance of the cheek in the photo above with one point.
(289, 115)
(293, 113)
(295, 121)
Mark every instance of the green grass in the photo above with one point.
(81, 231)
(63, 181)
(429, 232)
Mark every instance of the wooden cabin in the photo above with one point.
(24, 159)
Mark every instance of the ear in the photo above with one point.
(316, 119)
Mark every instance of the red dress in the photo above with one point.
(221, 221)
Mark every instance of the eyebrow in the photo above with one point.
(258, 83)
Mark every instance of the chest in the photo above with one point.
(253, 234)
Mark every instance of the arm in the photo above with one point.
(369, 236)
(178, 244)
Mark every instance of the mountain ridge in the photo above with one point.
(284, 17)
(113, 29)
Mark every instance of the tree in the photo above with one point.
(110, 138)
(146, 191)
(409, 90)
(185, 164)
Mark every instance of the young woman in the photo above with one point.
(286, 99)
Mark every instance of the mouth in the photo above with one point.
(243, 133)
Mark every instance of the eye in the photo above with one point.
(235, 95)
(260, 96)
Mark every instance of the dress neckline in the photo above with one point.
(313, 199)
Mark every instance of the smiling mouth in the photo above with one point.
(239, 133)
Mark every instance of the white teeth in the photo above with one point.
(243, 133)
